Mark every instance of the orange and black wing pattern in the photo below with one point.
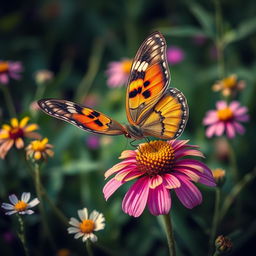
(149, 78)
(85, 118)
(168, 117)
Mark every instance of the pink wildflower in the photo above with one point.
(9, 69)
(175, 55)
(118, 72)
(158, 167)
(226, 118)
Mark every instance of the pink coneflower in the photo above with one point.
(118, 72)
(10, 69)
(226, 118)
(175, 55)
(158, 167)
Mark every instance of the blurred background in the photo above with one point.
(76, 41)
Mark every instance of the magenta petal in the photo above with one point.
(188, 193)
(176, 144)
(170, 181)
(110, 187)
(220, 127)
(234, 105)
(210, 130)
(188, 152)
(242, 118)
(239, 128)
(159, 200)
(221, 104)
(136, 198)
(241, 111)
(230, 130)
(4, 78)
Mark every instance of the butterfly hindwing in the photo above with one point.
(168, 117)
(85, 118)
(149, 78)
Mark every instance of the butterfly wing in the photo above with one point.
(168, 117)
(85, 118)
(149, 78)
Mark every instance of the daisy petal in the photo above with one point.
(7, 206)
(13, 199)
(34, 202)
(25, 197)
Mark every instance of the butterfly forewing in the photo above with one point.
(148, 79)
(169, 116)
(85, 118)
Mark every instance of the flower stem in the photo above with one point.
(9, 101)
(169, 234)
(41, 208)
(235, 192)
(218, 41)
(89, 247)
(22, 236)
(233, 163)
(216, 217)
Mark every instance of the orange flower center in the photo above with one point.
(230, 82)
(225, 114)
(20, 206)
(155, 157)
(126, 66)
(87, 226)
(4, 66)
(16, 133)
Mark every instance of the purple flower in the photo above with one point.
(175, 55)
(158, 167)
(93, 141)
(226, 118)
(10, 69)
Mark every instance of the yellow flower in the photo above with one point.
(14, 133)
(219, 176)
(229, 85)
(39, 149)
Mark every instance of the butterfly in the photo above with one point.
(152, 108)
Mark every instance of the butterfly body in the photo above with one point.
(152, 108)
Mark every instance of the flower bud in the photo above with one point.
(223, 244)
(219, 176)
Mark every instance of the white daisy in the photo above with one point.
(87, 226)
(20, 206)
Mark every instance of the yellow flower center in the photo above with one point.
(225, 114)
(218, 174)
(229, 82)
(16, 133)
(20, 206)
(4, 66)
(38, 145)
(87, 226)
(126, 66)
(155, 157)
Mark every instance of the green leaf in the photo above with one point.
(182, 31)
(245, 29)
(75, 167)
(204, 18)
